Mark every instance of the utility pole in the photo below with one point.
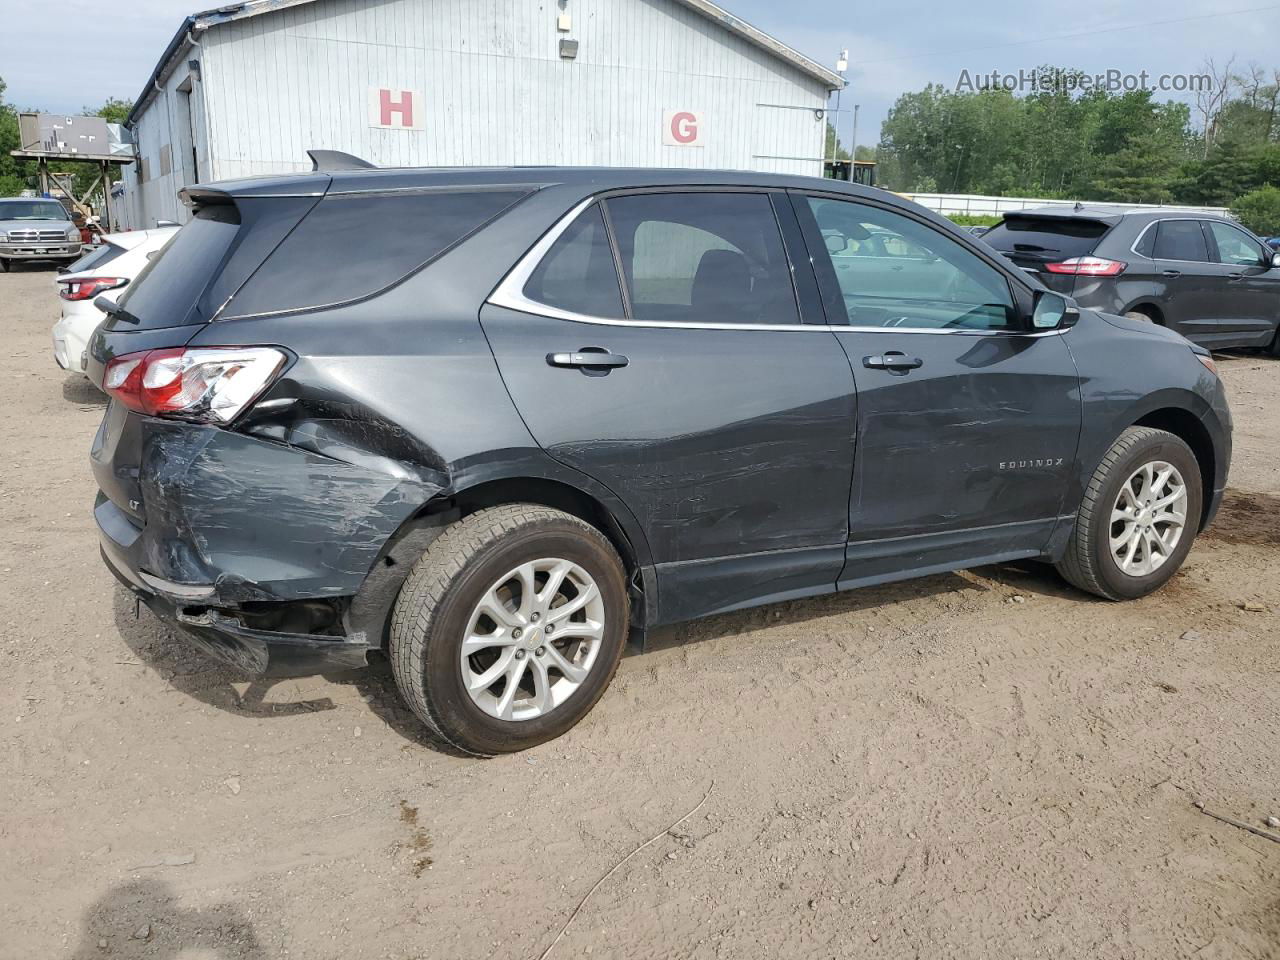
(842, 64)
(853, 145)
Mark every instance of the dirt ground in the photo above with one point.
(979, 765)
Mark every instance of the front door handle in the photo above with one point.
(1235, 276)
(1171, 274)
(587, 357)
(893, 361)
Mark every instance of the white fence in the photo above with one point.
(947, 203)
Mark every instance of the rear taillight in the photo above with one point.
(89, 287)
(205, 384)
(1088, 267)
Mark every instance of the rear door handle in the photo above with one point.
(1171, 274)
(893, 361)
(587, 357)
(1235, 276)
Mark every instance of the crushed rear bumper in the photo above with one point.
(262, 653)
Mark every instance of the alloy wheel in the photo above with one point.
(532, 639)
(1148, 518)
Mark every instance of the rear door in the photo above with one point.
(967, 421)
(1192, 304)
(1246, 283)
(693, 389)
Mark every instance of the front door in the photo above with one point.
(693, 389)
(967, 421)
(1245, 283)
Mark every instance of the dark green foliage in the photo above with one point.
(1259, 210)
(1095, 145)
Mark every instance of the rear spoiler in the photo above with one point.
(328, 160)
(1063, 213)
(313, 184)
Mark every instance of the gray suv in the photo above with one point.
(36, 229)
(491, 423)
(1204, 276)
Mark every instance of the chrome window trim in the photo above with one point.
(510, 294)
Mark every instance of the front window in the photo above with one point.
(1234, 247)
(896, 272)
(32, 210)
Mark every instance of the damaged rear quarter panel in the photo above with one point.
(264, 520)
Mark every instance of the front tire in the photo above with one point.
(509, 628)
(1138, 518)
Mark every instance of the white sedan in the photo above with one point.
(114, 264)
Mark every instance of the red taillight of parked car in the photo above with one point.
(202, 384)
(1088, 267)
(89, 287)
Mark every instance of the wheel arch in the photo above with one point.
(370, 609)
(1152, 310)
(1189, 428)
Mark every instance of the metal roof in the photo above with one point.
(199, 22)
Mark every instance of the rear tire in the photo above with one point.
(469, 586)
(1122, 548)
(1274, 349)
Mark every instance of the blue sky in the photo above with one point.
(83, 53)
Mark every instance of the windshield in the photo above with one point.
(32, 210)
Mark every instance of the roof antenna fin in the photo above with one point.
(329, 160)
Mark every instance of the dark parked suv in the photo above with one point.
(493, 422)
(1204, 276)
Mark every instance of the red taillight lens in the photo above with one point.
(88, 288)
(1088, 267)
(206, 384)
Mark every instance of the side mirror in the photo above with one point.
(1053, 311)
(1275, 260)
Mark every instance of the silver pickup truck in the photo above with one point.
(36, 229)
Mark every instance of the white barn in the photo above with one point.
(245, 90)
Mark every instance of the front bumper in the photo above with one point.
(40, 251)
(260, 653)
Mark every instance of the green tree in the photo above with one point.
(14, 174)
(833, 149)
(1259, 210)
(1229, 171)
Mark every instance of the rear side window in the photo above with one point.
(578, 273)
(96, 258)
(703, 258)
(351, 246)
(1056, 238)
(165, 293)
(1181, 240)
(1146, 245)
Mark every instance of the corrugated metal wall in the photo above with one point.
(172, 148)
(496, 89)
